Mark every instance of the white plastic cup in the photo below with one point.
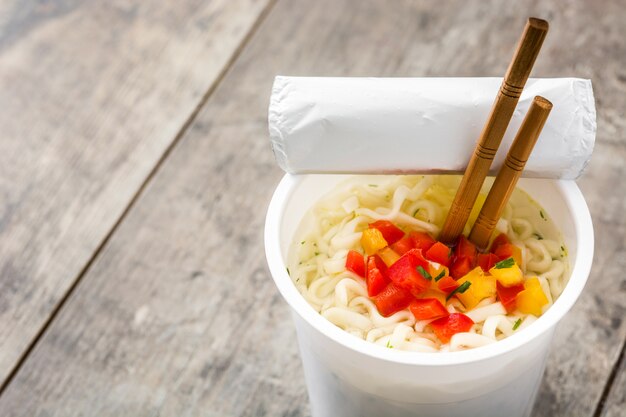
(349, 377)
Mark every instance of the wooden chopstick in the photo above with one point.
(509, 173)
(493, 131)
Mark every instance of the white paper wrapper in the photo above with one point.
(420, 125)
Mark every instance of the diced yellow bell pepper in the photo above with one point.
(372, 241)
(436, 294)
(508, 276)
(517, 254)
(481, 287)
(532, 298)
(388, 255)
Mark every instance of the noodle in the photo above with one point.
(318, 257)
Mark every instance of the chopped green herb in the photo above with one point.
(389, 344)
(441, 275)
(507, 263)
(373, 185)
(288, 273)
(542, 215)
(424, 272)
(460, 289)
(538, 236)
(302, 243)
(563, 248)
(416, 211)
(517, 324)
(317, 253)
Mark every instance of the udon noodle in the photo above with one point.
(334, 226)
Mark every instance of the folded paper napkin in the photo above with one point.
(420, 125)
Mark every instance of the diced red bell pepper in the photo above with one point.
(487, 260)
(507, 295)
(392, 299)
(355, 263)
(448, 326)
(509, 250)
(501, 239)
(422, 240)
(405, 274)
(390, 232)
(403, 245)
(460, 267)
(504, 251)
(439, 253)
(427, 309)
(447, 284)
(376, 275)
(465, 248)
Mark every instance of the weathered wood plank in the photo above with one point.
(589, 339)
(615, 405)
(178, 315)
(92, 94)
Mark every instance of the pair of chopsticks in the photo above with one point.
(489, 141)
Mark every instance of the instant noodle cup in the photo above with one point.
(348, 377)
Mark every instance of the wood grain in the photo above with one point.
(178, 315)
(92, 94)
(510, 172)
(493, 131)
(615, 405)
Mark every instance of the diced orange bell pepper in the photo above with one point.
(372, 241)
(481, 287)
(532, 298)
(509, 275)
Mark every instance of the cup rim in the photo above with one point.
(580, 270)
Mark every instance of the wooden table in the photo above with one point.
(135, 170)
